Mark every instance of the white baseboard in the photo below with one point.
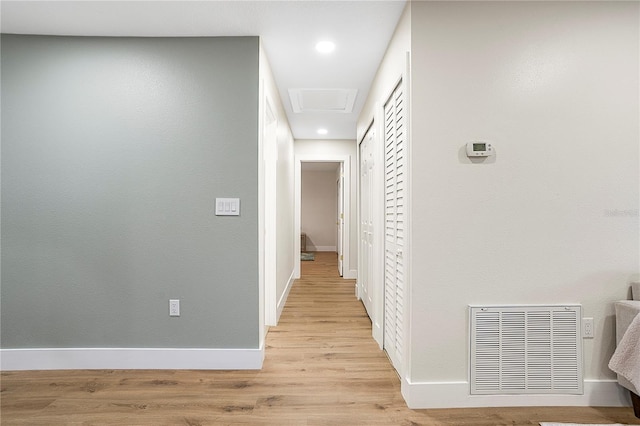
(131, 359)
(351, 274)
(285, 295)
(597, 393)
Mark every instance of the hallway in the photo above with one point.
(322, 367)
(334, 372)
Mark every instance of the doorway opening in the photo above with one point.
(327, 213)
(321, 210)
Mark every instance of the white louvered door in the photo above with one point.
(395, 148)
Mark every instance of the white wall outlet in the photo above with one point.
(174, 307)
(587, 328)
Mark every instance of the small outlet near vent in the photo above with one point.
(174, 307)
(587, 328)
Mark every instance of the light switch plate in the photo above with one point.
(227, 206)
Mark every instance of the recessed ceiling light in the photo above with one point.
(322, 131)
(325, 46)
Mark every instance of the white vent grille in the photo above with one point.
(526, 350)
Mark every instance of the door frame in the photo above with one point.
(404, 365)
(340, 217)
(346, 167)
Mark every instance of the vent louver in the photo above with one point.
(526, 350)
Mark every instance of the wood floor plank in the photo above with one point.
(322, 367)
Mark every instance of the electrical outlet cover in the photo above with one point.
(587, 328)
(174, 307)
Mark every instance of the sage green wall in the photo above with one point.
(113, 152)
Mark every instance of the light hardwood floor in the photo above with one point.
(322, 368)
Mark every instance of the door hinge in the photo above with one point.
(341, 257)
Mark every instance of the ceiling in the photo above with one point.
(290, 30)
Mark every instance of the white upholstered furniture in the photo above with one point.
(626, 311)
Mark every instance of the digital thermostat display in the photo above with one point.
(479, 149)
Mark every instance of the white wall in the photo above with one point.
(553, 217)
(285, 234)
(389, 72)
(319, 209)
(554, 86)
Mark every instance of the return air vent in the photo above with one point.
(526, 350)
(322, 100)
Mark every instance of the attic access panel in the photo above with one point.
(323, 100)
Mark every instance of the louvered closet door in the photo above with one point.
(394, 242)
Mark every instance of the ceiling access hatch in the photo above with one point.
(323, 100)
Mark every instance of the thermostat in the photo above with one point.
(479, 149)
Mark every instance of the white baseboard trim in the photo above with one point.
(321, 248)
(131, 359)
(284, 297)
(351, 274)
(597, 393)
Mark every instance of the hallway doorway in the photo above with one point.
(322, 214)
(339, 167)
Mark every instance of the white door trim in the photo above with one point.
(324, 158)
(340, 219)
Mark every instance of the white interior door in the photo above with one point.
(394, 233)
(366, 275)
(340, 217)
